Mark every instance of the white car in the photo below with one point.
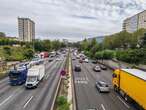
(86, 60)
(102, 86)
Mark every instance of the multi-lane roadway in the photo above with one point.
(87, 96)
(41, 98)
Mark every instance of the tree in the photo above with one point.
(28, 54)
(84, 45)
(47, 45)
(143, 40)
(2, 34)
(7, 50)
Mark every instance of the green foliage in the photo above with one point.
(7, 50)
(123, 39)
(99, 55)
(28, 53)
(143, 41)
(62, 103)
(135, 56)
(47, 45)
(84, 45)
(2, 34)
(107, 54)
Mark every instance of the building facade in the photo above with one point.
(135, 22)
(26, 29)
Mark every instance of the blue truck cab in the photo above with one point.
(17, 76)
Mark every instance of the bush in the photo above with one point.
(62, 103)
(28, 53)
(107, 54)
(135, 56)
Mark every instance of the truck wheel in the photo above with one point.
(116, 89)
(127, 98)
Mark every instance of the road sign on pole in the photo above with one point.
(63, 72)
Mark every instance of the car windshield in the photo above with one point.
(97, 67)
(103, 84)
(14, 74)
(31, 78)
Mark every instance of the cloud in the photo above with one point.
(72, 19)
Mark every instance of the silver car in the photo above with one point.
(102, 86)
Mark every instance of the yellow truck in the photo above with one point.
(131, 84)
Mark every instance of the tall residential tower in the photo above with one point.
(26, 29)
(135, 22)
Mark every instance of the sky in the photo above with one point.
(68, 19)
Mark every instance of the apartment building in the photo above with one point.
(135, 22)
(26, 29)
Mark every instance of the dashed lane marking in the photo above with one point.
(27, 101)
(6, 100)
(102, 106)
(123, 102)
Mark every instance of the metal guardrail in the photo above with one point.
(57, 89)
(73, 90)
(75, 106)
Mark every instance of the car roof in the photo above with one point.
(91, 109)
(97, 66)
(102, 82)
(77, 65)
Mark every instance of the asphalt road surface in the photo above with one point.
(41, 98)
(87, 96)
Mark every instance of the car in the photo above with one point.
(102, 86)
(94, 61)
(80, 61)
(58, 59)
(78, 57)
(73, 58)
(86, 60)
(77, 68)
(97, 69)
(91, 109)
(50, 59)
(103, 67)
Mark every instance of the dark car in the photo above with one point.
(103, 67)
(94, 61)
(73, 58)
(97, 69)
(77, 68)
(80, 61)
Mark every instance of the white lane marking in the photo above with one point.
(123, 102)
(6, 100)
(27, 101)
(102, 106)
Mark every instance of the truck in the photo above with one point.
(35, 75)
(17, 76)
(131, 84)
(44, 54)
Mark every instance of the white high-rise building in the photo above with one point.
(135, 22)
(26, 29)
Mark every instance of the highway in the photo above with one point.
(87, 96)
(41, 98)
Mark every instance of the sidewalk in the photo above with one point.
(120, 64)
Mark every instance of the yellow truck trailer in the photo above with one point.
(131, 83)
